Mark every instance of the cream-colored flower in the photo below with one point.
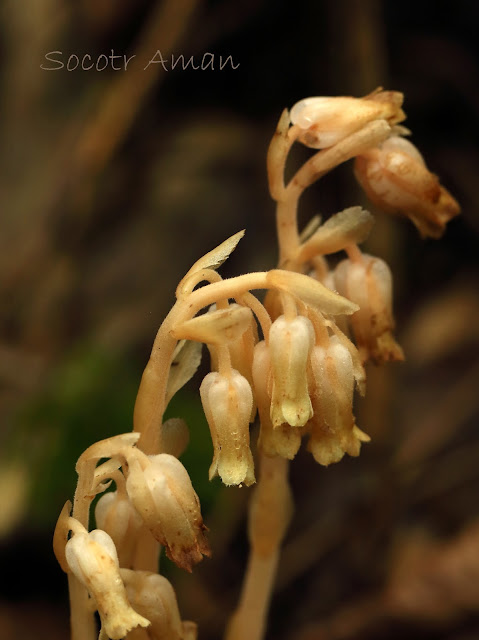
(368, 282)
(333, 428)
(290, 343)
(115, 514)
(93, 559)
(395, 177)
(227, 402)
(161, 491)
(153, 596)
(324, 121)
(282, 440)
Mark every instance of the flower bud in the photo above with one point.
(282, 440)
(333, 429)
(396, 179)
(227, 403)
(93, 559)
(290, 343)
(115, 514)
(368, 282)
(154, 597)
(325, 121)
(161, 491)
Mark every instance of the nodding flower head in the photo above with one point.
(395, 177)
(154, 597)
(290, 343)
(333, 429)
(368, 282)
(161, 491)
(324, 121)
(115, 514)
(92, 558)
(227, 402)
(281, 440)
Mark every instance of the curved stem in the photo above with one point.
(82, 620)
(249, 300)
(151, 398)
(354, 253)
(287, 226)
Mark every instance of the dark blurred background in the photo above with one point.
(113, 183)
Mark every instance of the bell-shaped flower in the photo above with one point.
(115, 514)
(290, 343)
(368, 282)
(282, 440)
(333, 429)
(153, 596)
(92, 558)
(240, 347)
(227, 402)
(161, 491)
(325, 121)
(395, 177)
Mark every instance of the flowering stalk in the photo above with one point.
(300, 375)
(270, 513)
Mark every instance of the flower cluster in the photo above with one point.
(154, 501)
(294, 360)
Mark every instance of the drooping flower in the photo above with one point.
(154, 597)
(395, 177)
(227, 402)
(282, 440)
(161, 491)
(115, 514)
(93, 560)
(368, 282)
(332, 427)
(324, 121)
(290, 343)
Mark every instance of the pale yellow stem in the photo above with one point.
(287, 227)
(249, 621)
(269, 517)
(224, 361)
(290, 310)
(82, 620)
(259, 311)
(354, 253)
(325, 160)
(151, 399)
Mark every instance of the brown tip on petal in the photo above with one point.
(187, 557)
(388, 350)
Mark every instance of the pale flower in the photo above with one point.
(93, 559)
(396, 179)
(325, 121)
(161, 491)
(115, 514)
(282, 440)
(227, 402)
(290, 343)
(368, 282)
(333, 428)
(154, 597)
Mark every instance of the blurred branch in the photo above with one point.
(127, 92)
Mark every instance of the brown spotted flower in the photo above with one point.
(367, 281)
(161, 491)
(395, 177)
